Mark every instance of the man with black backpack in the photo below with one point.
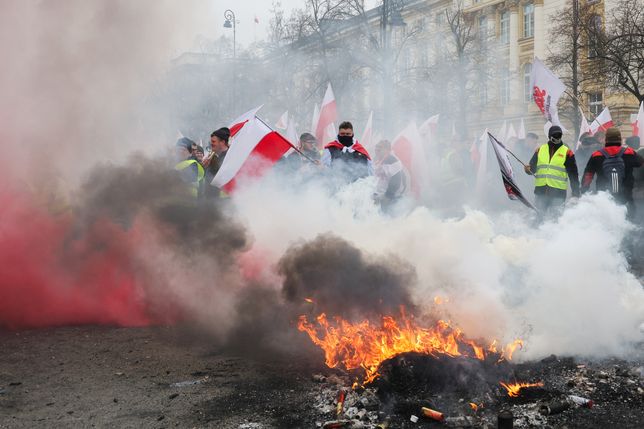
(613, 165)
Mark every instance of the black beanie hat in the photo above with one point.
(554, 130)
(223, 133)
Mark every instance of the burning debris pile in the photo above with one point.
(565, 394)
(366, 345)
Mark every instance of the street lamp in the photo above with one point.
(229, 15)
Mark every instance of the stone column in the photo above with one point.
(539, 33)
(515, 34)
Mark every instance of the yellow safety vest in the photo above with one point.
(194, 186)
(552, 172)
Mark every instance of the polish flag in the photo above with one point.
(239, 122)
(367, 135)
(638, 125)
(328, 115)
(254, 149)
(282, 122)
(602, 122)
(522, 134)
(584, 127)
(408, 147)
(546, 91)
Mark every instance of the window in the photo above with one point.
(504, 30)
(595, 103)
(482, 28)
(528, 20)
(440, 17)
(527, 90)
(504, 90)
(482, 92)
(595, 28)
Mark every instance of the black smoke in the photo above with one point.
(342, 280)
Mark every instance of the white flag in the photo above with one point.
(282, 122)
(367, 135)
(583, 128)
(638, 127)
(546, 91)
(511, 134)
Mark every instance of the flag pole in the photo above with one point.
(314, 161)
(506, 149)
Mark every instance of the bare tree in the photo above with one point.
(619, 46)
(567, 56)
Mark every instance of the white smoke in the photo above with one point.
(564, 287)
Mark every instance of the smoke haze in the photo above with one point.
(76, 106)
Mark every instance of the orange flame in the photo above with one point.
(514, 389)
(474, 406)
(309, 300)
(365, 345)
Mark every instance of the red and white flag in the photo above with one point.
(328, 115)
(239, 122)
(602, 122)
(638, 125)
(254, 148)
(584, 128)
(522, 134)
(408, 147)
(546, 91)
(367, 135)
(282, 122)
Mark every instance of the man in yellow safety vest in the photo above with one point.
(191, 172)
(553, 166)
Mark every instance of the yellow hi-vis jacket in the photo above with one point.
(551, 172)
(194, 186)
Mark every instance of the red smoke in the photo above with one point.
(52, 274)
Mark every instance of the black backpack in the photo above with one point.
(613, 170)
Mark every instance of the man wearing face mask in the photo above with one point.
(553, 166)
(346, 156)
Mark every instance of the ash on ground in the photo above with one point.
(466, 393)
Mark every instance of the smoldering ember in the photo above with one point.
(322, 214)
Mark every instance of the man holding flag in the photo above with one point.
(553, 166)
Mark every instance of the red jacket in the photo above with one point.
(596, 161)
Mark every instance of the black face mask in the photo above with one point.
(346, 140)
(555, 138)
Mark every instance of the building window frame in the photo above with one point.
(595, 103)
(504, 27)
(528, 20)
(597, 22)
